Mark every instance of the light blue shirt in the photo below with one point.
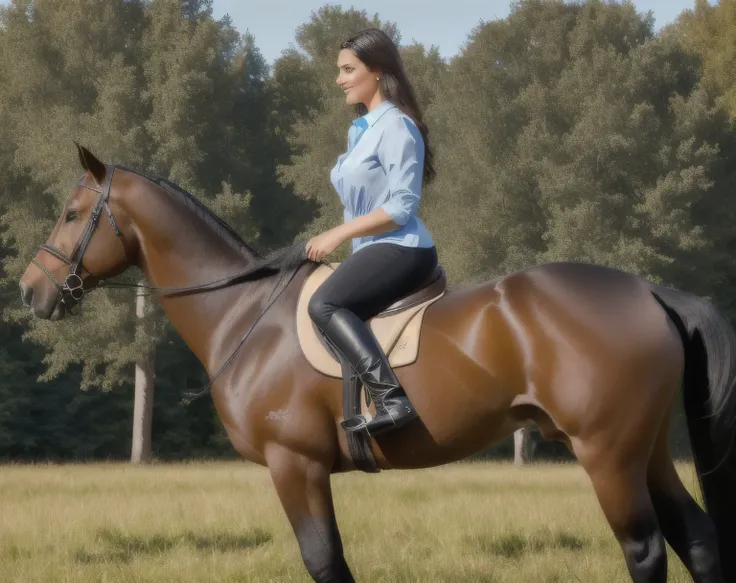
(383, 168)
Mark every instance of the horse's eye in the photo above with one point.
(71, 216)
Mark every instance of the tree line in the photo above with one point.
(566, 131)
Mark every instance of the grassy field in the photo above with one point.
(469, 522)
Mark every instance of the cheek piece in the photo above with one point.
(73, 285)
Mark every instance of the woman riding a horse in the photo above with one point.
(379, 181)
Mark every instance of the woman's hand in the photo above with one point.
(323, 244)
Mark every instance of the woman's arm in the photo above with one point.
(402, 156)
(374, 223)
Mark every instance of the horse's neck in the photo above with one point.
(180, 249)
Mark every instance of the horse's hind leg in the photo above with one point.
(620, 484)
(689, 530)
(624, 498)
(303, 486)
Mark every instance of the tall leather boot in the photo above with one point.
(355, 341)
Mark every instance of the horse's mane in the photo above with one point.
(285, 259)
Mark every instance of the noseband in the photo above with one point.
(73, 285)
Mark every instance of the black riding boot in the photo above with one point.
(354, 339)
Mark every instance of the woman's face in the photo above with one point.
(359, 83)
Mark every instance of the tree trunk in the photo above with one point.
(523, 442)
(144, 390)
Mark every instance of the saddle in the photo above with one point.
(397, 330)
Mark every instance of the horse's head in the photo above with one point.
(92, 240)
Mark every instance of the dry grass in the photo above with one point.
(481, 522)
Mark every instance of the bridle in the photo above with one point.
(73, 285)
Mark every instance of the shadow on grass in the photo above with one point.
(12, 552)
(121, 547)
(513, 546)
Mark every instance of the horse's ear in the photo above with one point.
(91, 163)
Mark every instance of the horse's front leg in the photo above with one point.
(303, 486)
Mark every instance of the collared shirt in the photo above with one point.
(383, 168)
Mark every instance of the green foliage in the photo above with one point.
(54, 420)
(572, 133)
(567, 131)
(709, 31)
(171, 95)
(172, 92)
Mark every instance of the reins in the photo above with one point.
(259, 269)
(73, 285)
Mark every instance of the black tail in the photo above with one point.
(709, 394)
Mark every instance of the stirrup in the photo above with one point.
(381, 424)
(357, 423)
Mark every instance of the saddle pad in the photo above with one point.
(398, 334)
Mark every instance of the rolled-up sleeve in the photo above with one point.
(401, 154)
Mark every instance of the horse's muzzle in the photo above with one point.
(51, 309)
(26, 295)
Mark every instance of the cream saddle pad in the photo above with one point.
(397, 328)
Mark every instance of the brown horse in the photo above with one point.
(594, 356)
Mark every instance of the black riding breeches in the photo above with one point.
(371, 279)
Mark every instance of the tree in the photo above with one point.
(567, 131)
(570, 132)
(59, 91)
(709, 31)
(158, 97)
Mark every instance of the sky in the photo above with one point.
(274, 22)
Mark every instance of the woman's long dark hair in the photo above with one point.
(379, 53)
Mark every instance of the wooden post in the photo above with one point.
(144, 391)
(523, 446)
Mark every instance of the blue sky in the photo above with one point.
(273, 22)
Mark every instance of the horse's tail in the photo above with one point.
(709, 394)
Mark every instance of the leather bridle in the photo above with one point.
(73, 285)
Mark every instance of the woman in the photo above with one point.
(379, 181)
